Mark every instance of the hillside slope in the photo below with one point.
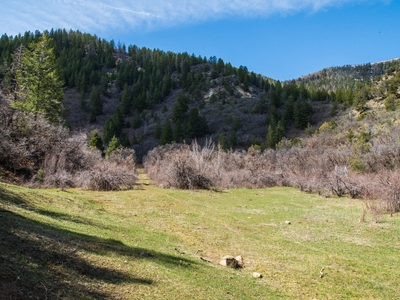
(131, 92)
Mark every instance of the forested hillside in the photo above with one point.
(114, 96)
(149, 97)
(334, 78)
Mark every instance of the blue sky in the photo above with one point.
(282, 39)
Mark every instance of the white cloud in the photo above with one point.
(102, 15)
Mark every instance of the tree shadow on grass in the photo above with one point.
(71, 218)
(10, 198)
(41, 261)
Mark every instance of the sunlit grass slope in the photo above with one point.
(147, 244)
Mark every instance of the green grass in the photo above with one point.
(147, 243)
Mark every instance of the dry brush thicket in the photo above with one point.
(326, 163)
(195, 167)
(41, 154)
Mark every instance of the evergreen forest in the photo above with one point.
(147, 97)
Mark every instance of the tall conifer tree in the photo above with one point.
(40, 89)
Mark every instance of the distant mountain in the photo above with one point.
(345, 77)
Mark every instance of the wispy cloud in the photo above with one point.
(102, 15)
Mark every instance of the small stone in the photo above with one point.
(228, 261)
(257, 275)
(288, 222)
(239, 260)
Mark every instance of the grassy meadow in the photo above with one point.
(148, 243)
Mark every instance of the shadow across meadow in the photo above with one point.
(41, 261)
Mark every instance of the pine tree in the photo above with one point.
(167, 135)
(197, 125)
(166, 86)
(136, 120)
(361, 96)
(158, 130)
(112, 146)
(96, 142)
(126, 99)
(275, 133)
(270, 141)
(113, 126)
(40, 89)
(302, 113)
(390, 102)
(233, 138)
(180, 108)
(96, 104)
(223, 142)
(179, 132)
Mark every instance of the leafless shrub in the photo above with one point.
(339, 181)
(181, 166)
(253, 169)
(193, 167)
(65, 159)
(25, 140)
(390, 181)
(186, 176)
(158, 161)
(311, 169)
(70, 153)
(384, 153)
(60, 179)
(115, 173)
